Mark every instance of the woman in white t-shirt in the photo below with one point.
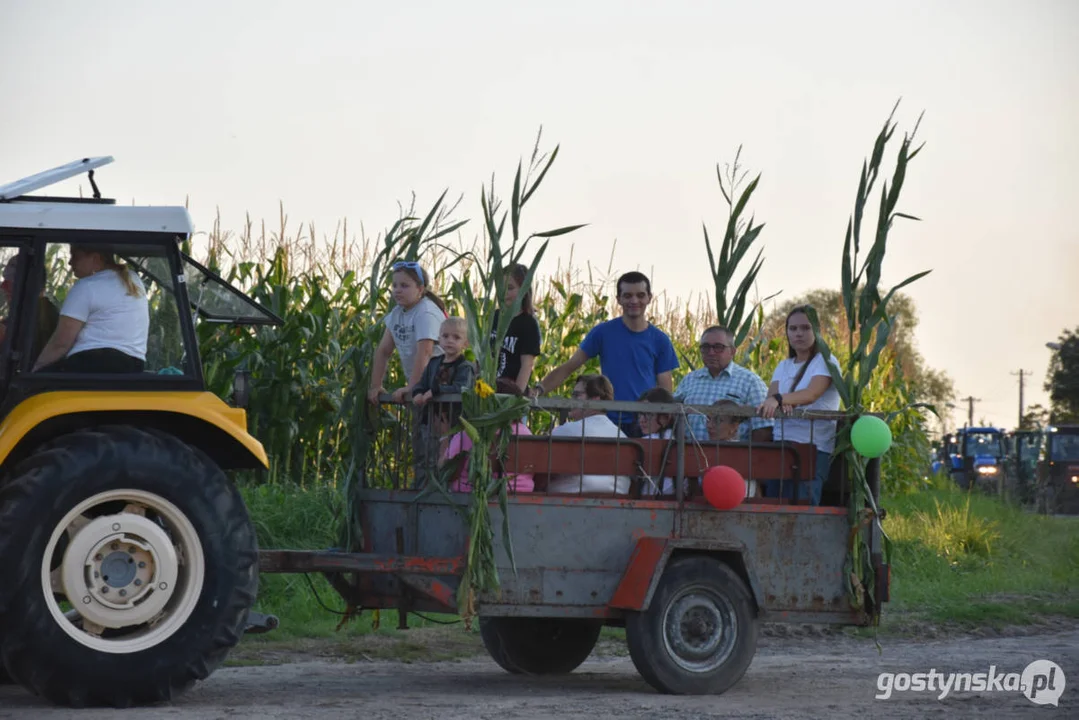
(590, 423)
(105, 319)
(803, 380)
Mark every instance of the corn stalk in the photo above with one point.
(485, 416)
(868, 325)
(738, 238)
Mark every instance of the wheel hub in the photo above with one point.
(699, 630)
(119, 570)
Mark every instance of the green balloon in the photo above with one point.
(870, 436)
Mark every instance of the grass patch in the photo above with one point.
(969, 559)
(288, 517)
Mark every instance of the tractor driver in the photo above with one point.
(104, 322)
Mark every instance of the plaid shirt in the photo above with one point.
(735, 383)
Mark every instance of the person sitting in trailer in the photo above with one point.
(657, 426)
(590, 423)
(461, 443)
(723, 428)
(104, 321)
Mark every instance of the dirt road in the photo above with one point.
(823, 676)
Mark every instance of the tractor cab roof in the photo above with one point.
(19, 210)
(211, 296)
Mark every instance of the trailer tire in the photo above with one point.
(539, 646)
(88, 516)
(699, 633)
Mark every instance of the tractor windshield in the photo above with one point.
(982, 444)
(1064, 447)
(214, 299)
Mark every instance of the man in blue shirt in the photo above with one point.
(633, 353)
(723, 379)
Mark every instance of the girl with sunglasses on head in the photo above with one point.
(412, 327)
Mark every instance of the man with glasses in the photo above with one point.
(633, 353)
(723, 379)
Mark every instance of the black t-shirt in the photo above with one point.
(522, 338)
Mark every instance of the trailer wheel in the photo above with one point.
(539, 646)
(133, 565)
(699, 633)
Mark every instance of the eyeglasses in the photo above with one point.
(409, 265)
(714, 347)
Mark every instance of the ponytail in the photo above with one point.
(125, 277)
(436, 300)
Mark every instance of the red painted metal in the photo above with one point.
(432, 588)
(632, 591)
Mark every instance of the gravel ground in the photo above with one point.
(801, 676)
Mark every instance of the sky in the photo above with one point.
(344, 109)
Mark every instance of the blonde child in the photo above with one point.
(448, 373)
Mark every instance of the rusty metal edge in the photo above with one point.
(304, 561)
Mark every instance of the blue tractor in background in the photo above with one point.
(976, 458)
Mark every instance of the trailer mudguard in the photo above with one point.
(650, 557)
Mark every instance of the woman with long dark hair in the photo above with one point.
(521, 346)
(803, 380)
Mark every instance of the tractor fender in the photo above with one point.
(651, 555)
(200, 419)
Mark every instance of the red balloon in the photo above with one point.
(724, 487)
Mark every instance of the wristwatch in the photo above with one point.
(539, 387)
(779, 399)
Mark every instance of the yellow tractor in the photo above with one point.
(128, 562)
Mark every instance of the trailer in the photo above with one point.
(689, 583)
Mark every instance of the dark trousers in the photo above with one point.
(100, 360)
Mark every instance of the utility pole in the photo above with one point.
(1020, 374)
(970, 400)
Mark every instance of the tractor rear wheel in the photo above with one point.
(699, 633)
(539, 646)
(133, 566)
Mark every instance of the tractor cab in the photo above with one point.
(37, 236)
(1058, 471)
(977, 457)
(1024, 454)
